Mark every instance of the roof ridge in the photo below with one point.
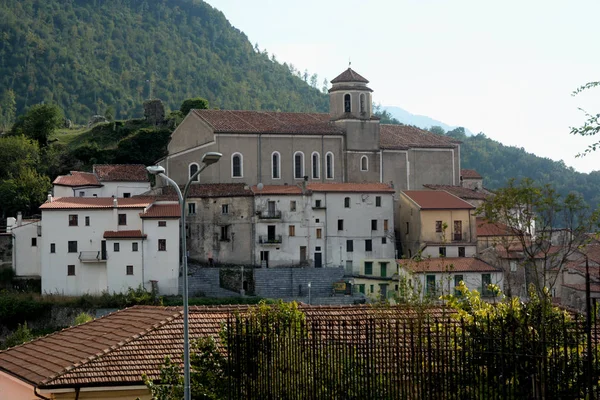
(112, 348)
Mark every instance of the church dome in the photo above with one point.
(349, 75)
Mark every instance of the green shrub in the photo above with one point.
(82, 318)
(21, 335)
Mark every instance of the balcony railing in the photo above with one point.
(266, 239)
(92, 256)
(270, 214)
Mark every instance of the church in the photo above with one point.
(348, 144)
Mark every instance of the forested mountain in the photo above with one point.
(89, 55)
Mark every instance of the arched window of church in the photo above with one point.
(275, 165)
(237, 165)
(347, 103)
(362, 103)
(298, 165)
(193, 170)
(329, 165)
(364, 163)
(316, 165)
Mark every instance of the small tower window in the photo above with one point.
(362, 103)
(347, 103)
(329, 165)
(193, 170)
(364, 163)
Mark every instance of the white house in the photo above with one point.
(26, 235)
(92, 245)
(106, 180)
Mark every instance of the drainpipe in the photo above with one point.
(380, 166)
(39, 395)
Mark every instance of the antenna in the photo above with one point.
(349, 62)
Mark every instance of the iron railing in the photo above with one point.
(92, 256)
(267, 239)
(273, 214)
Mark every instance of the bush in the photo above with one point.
(21, 335)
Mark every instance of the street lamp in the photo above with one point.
(309, 285)
(207, 159)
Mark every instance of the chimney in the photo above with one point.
(49, 198)
(19, 218)
(115, 203)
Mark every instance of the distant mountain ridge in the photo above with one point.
(421, 121)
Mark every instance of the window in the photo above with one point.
(126, 195)
(292, 205)
(116, 247)
(442, 251)
(329, 165)
(362, 103)
(122, 219)
(81, 194)
(191, 208)
(347, 103)
(316, 165)
(72, 246)
(486, 280)
(225, 233)
(33, 242)
(377, 201)
(52, 247)
(134, 246)
(317, 220)
(438, 226)
(372, 288)
(317, 203)
(319, 233)
(292, 230)
(298, 165)
(407, 228)
(73, 220)
(513, 266)
(385, 225)
(383, 269)
(346, 202)
(430, 285)
(237, 167)
(162, 223)
(373, 224)
(368, 268)
(461, 251)
(162, 244)
(129, 270)
(364, 163)
(458, 230)
(349, 246)
(340, 224)
(224, 208)
(87, 221)
(275, 165)
(368, 245)
(70, 270)
(383, 240)
(193, 169)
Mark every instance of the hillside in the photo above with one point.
(87, 56)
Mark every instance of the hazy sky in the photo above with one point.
(505, 68)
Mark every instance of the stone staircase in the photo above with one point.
(205, 282)
(281, 283)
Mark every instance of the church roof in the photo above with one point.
(226, 121)
(349, 75)
(402, 137)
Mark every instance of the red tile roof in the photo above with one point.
(470, 174)
(72, 203)
(212, 190)
(448, 264)
(437, 200)
(462, 192)
(486, 228)
(351, 187)
(133, 234)
(349, 75)
(162, 211)
(76, 178)
(277, 189)
(402, 137)
(121, 172)
(227, 121)
(595, 288)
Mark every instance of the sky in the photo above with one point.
(505, 68)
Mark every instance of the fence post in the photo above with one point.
(588, 330)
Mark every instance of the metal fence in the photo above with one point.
(412, 358)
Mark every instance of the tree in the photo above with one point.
(17, 152)
(196, 103)
(438, 130)
(24, 191)
(8, 108)
(39, 122)
(591, 126)
(546, 227)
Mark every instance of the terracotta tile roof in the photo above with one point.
(349, 75)
(227, 121)
(213, 190)
(448, 264)
(133, 234)
(76, 178)
(351, 187)
(162, 211)
(277, 189)
(72, 203)
(437, 200)
(581, 287)
(459, 191)
(402, 137)
(470, 174)
(121, 172)
(486, 228)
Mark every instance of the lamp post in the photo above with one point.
(207, 159)
(309, 285)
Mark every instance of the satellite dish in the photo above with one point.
(260, 186)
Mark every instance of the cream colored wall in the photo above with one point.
(14, 389)
(101, 393)
(428, 218)
(409, 212)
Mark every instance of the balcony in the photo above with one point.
(92, 256)
(266, 239)
(273, 214)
